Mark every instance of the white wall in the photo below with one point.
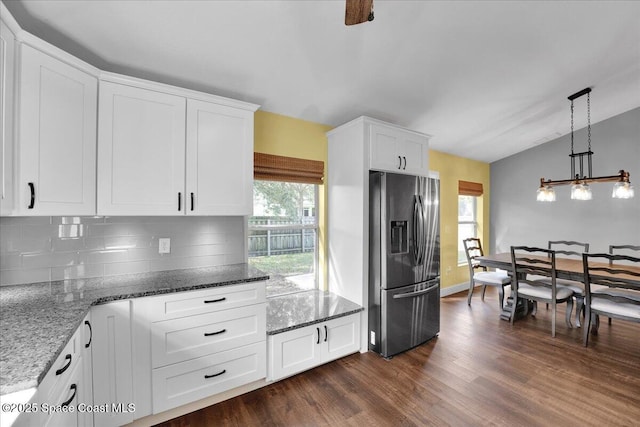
(517, 218)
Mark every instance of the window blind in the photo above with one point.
(290, 169)
(467, 188)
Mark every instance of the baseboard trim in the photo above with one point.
(450, 290)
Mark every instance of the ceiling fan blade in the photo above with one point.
(358, 11)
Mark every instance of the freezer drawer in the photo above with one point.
(410, 316)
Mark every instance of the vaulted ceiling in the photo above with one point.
(486, 78)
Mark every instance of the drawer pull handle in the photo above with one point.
(209, 301)
(32, 189)
(326, 333)
(86, 322)
(65, 367)
(208, 334)
(75, 390)
(215, 375)
(318, 330)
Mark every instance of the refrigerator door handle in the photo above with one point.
(419, 241)
(416, 293)
(415, 232)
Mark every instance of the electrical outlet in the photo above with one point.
(164, 245)
(372, 338)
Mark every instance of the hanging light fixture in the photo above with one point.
(580, 190)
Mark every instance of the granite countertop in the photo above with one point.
(305, 308)
(37, 320)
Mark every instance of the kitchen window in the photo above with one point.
(468, 195)
(283, 231)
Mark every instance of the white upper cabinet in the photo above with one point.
(161, 153)
(219, 159)
(56, 147)
(398, 150)
(140, 152)
(7, 65)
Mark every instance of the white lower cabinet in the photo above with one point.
(301, 349)
(192, 345)
(55, 403)
(112, 363)
(67, 399)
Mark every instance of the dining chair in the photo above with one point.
(479, 275)
(621, 250)
(534, 273)
(612, 289)
(571, 249)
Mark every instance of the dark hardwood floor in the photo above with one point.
(479, 371)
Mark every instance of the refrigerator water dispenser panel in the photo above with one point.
(399, 241)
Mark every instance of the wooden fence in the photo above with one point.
(280, 241)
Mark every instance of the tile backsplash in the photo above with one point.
(39, 249)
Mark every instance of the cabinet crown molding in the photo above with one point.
(370, 120)
(175, 90)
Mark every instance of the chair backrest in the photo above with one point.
(568, 247)
(614, 271)
(473, 249)
(620, 249)
(534, 266)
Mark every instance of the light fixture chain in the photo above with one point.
(589, 119)
(572, 126)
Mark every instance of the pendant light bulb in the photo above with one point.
(581, 191)
(622, 190)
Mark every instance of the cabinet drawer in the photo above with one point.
(205, 301)
(186, 338)
(195, 379)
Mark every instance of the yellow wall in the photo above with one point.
(286, 136)
(452, 169)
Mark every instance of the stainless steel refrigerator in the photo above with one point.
(404, 261)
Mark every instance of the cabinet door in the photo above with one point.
(7, 64)
(141, 152)
(112, 362)
(341, 337)
(57, 137)
(414, 152)
(294, 351)
(384, 152)
(219, 159)
(397, 150)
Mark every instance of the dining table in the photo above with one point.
(566, 268)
